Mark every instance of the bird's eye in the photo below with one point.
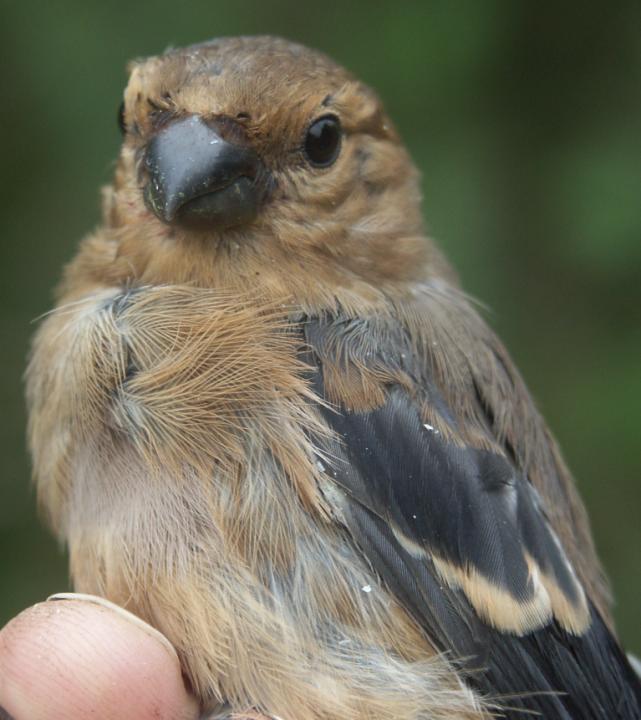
(121, 118)
(323, 141)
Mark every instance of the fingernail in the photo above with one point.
(4, 715)
(120, 611)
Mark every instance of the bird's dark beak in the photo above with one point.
(196, 178)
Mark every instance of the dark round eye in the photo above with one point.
(323, 141)
(121, 118)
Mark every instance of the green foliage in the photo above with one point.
(525, 119)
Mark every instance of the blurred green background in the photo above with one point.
(525, 119)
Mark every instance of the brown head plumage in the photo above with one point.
(355, 218)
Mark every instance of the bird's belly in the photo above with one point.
(266, 608)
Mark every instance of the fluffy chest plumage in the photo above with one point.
(170, 429)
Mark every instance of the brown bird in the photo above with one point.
(265, 418)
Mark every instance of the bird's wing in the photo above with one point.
(456, 531)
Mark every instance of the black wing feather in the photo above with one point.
(411, 489)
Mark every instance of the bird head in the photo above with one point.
(246, 159)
